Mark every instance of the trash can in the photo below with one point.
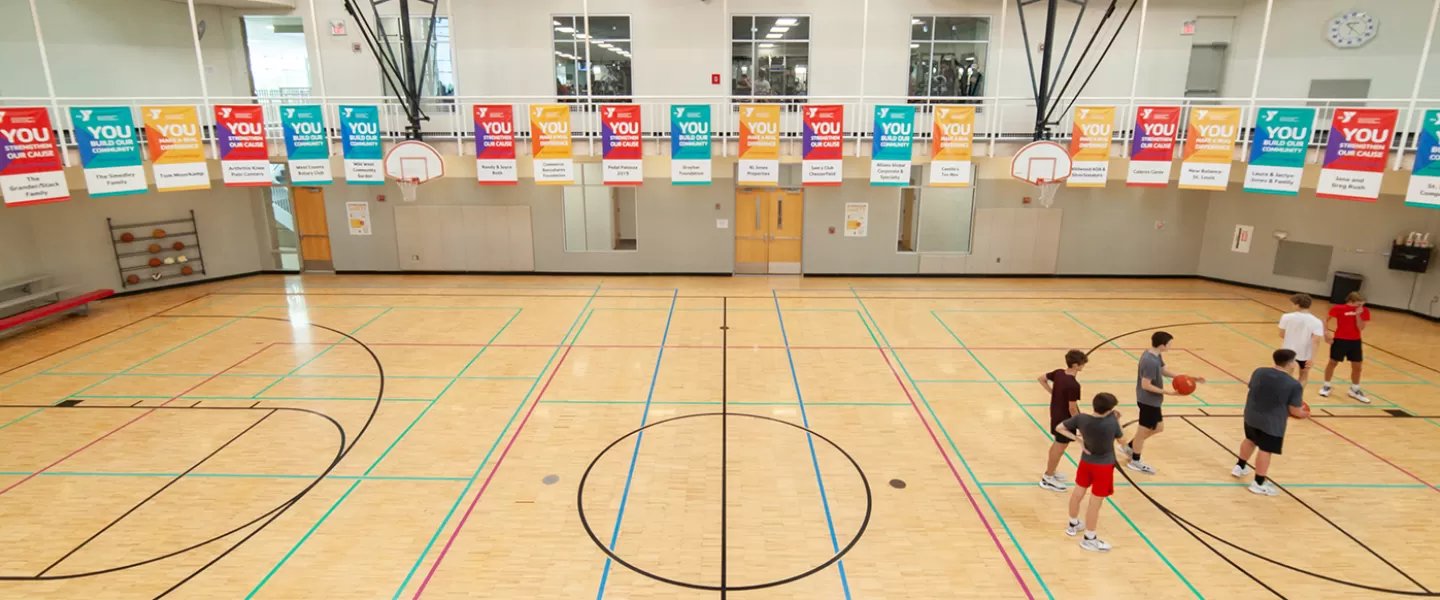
(1343, 284)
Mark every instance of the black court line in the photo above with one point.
(1313, 510)
(724, 442)
(167, 485)
(721, 297)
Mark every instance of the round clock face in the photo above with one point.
(1352, 29)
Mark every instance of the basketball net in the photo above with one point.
(409, 188)
(1048, 189)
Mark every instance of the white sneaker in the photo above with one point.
(1325, 391)
(1050, 483)
(1264, 490)
(1140, 466)
(1359, 395)
(1125, 449)
(1060, 477)
(1240, 471)
(1074, 530)
(1095, 544)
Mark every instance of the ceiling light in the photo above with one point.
(555, 23)
(787, 22)
(779, 29)
(914, 45)
(581, 36)
(912, 22)
(767, 45)
(774, 36)
(565, 29)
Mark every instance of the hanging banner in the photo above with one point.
(690, 144)
(358, 213)
(307, 144)
(1355, 156)
(1152, 147)
(177, 154)
(620, 157)
(891, 146)
(1209, 147)
(857, 219)
(1277, 150)
(1090, 135)
(951, 146)
(244, 157)
(821, 145)
(109, 150)
(759, 144)
(495, 145)
(1425, 173)
(550, 144)
(30, 167)
(360, 145)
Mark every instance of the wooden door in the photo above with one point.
(787, 215)
(752, 231)
(314, 230)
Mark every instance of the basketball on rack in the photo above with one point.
(187, 271)
(154, 248)
(133, 279)
(155, 262)
(178, 246)
(127, 237)
(158, 233)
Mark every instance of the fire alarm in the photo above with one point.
(715, 79)
(355, 48)
(832, 231)
(380, 197)
(1025, 200)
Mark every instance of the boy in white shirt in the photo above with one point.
(1302, 333)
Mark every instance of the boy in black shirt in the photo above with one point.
(1096, 474)
(1274, 398)
(1064, 392)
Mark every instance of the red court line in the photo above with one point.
(1206, 361)
(968, 496)
(1381, 458)
(128, 423)
(491, 476)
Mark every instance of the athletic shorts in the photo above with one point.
(1055, 432)
(1264, 441)
(1150, 416)
(1099, 478)
(1304, 364)
(1351, 350)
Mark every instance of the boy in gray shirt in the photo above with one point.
(1274, 397)
(1096, 474)
(1150, 392)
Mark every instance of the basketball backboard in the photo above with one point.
(1041, 162)
(414, 161)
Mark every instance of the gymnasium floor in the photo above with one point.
(234, 430)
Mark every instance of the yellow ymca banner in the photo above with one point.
(950, 148)
(759, 144)
(550, 144)
(1209, 147)
(1090, 134)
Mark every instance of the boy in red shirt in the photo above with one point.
(1350, 319)
(1064, 392)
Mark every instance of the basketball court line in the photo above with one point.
(101, 335)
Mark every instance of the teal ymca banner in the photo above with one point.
(360, 144)
(891, 145)
(306, 144)
(109, 150)
(1277, 150)
(1425, 173)
(690, 144)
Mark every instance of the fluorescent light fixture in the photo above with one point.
(581, 36)
(555, 23)
(914, 45)
(912, 22)
(774, 36)
(565, 29)
(767, 45)
(779, 29)
(787, 22)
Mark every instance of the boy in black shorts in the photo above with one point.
(1096, 473)
(1350, 319)
(1274, 397)
(1150, 392)
(1064, 392)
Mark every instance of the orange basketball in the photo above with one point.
(133, 279)
(127, 237)
(155, 262)
(1184, 384)
(154, 248)
(178, 246)
(1305, 406)
(158, 233)
(186, 271)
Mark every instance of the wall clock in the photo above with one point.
(1352, 29)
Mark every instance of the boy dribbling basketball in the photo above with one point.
(1302, 333)
(1274, 397)
(1150, 394)
(1350, 319)
(1064, 390)
(1096, 473)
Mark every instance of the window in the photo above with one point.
(941, 223)
(947, 57)
(598, 218)
(607, 40)
(769, 56)
(439, 69)
(279, 58)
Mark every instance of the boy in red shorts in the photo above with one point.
(1064, 390)
(1350, 319)
(1096, 474)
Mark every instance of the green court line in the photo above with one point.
(320, 353)
(1037, 424)
(1216, 484)
(1102, 336)
(995, 511)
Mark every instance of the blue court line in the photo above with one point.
(320, 353)
(635, 454)
(486, 460)
(1110, 501)
(810, 440)
(316, 526)
(1112, 343)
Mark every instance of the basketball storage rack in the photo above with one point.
(133, 257)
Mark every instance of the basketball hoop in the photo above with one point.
(1045, 165)
(409, 188)
(1047, 191)
(410, 164)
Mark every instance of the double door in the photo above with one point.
(768, 230)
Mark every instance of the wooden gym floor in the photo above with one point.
(225, 441)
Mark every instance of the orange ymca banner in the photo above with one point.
(759, 144)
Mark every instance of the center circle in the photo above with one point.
(585, 522)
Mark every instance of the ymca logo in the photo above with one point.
(1270, 115)
(1200, 113)
(1146, 113)
(1435, 122)
(749, 111)
(884, 111)
(348, 111)
(481, 110)
(679, 112)
(1084, 112)
(539, 111)
(944, 112)
(289, 113)
(154, 113)
(225, 113)
(813, 112)
(84, 115)
(1346, 116)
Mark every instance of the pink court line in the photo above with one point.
(491, 476)
(958, 479)
(1381, 458)
(131, 421)
(1206, 361)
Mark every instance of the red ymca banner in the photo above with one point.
(244, 157)
(495, 144)
(821, 144)
(1356, 153)
(30, 167)
(1152, 147)
(620, 144)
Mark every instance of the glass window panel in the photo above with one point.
(611, 76)
(742, 68)
(921, 29)
(782, 68)
(962, 28)
(610, 28)
(786, 28)
(569, 73)
(741, 28)
(957, 70)
(563, 27)
(919, 69)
